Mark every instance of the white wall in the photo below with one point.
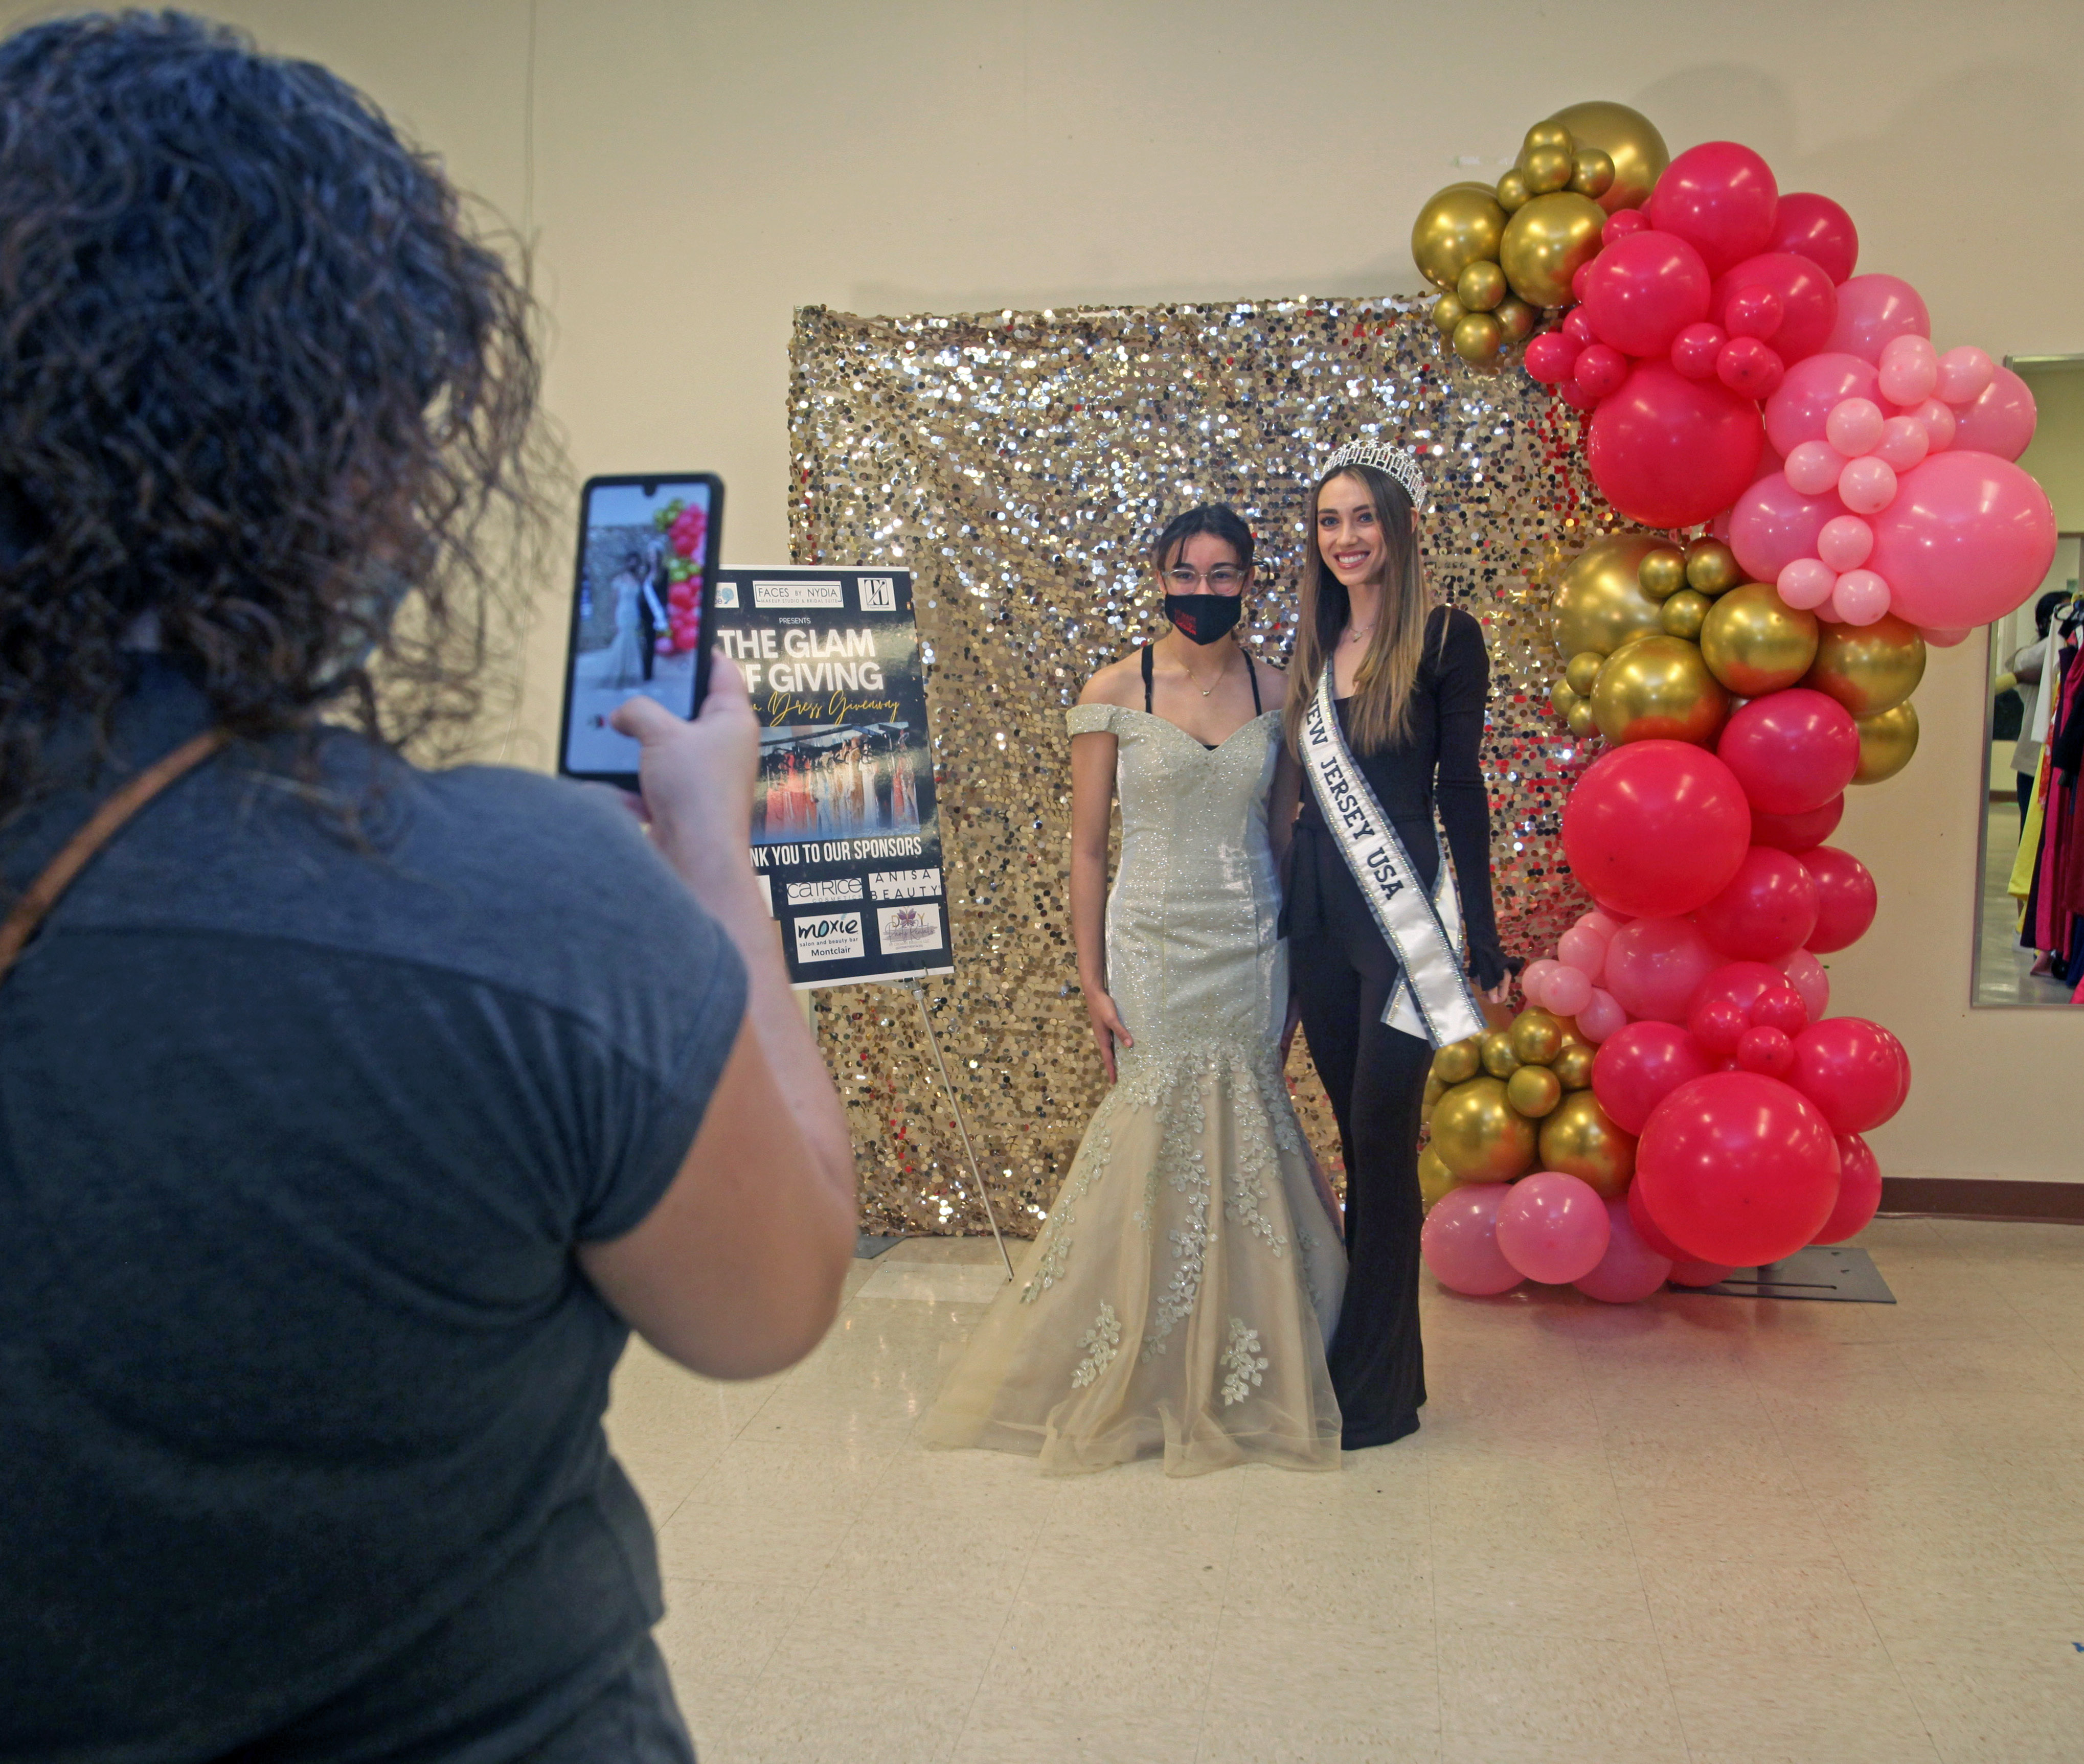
(698, 171)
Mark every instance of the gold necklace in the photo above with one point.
(1223, 668)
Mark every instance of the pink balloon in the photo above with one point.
(1720, 197)
(1630, 1270)
(1942, 427)
(1815, 469)
(2001, 419)
(1602, 1017)
(1872, 309)
(1768, 911)
(1909, 369)
(1459, 1242)
(1945, 637)
(1854, 426)
(1845, 542)
(1798, 833)
(1600, 371)
(1965, 375)
(1848, 1068)
(1968, 537)
(1859, 1191)
(1697, 348)
(1583, 948)
(1816, 227)
(1814, 387)
(1904, 441)
(1807, 583)
(1552, 1227)
(1750, 368)
(1647, 1229)
(1807, 301)
(1805, 973)
(1638, 1066)
(1655, 966)
(1601, 924)
(1568, 992)
(1860, 597)
(1773, 523)
(1534, 981)
(1791, 750)
(1642, 291)
(1552, 357)
(1668, 451)
(1846, 899)
(1867, 485)
(1655, 826)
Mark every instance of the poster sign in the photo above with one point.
(844, 839)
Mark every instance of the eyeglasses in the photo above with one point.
(1224, 579)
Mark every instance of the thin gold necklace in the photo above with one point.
(1223, 667)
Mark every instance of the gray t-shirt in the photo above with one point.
(300, 1384)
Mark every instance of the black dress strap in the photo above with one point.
(1146, 680)
(1251, 674)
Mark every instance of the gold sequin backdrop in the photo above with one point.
(1018, 465)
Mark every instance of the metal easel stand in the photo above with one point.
(955, 1103)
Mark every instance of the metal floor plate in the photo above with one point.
(1830, 1271)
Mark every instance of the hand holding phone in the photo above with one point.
(695, 781)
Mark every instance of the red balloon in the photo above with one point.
(1697, 348)
(1764, 1048)
(1816, 227)
(1552, 357)
(1767, 913)
(1642, 291)
(1797, 832)
(1657, 828)
(1759, 989)
(1647, 1228)
(1773, 523)
(1738, 1168)
(1750, 369)
(1688, 1272)
(1638, 1067)
(1851, 1070)
(1791, 751)
(1808, 302)
(1783, 1007)
(1670, 452)
(1845, 899)
(1720, 198)
(1600, 371)
(1654, 967)
(1718, 1025)
(1859, 1191)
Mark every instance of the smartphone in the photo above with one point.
(642, 599)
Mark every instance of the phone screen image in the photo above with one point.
(648, 548)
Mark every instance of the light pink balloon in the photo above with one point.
(1814, 468)
(1534, 981)
(1845, 542)
(1909, 369)
(1599, 920)
(2001, 419)
(1630, 1270)
(1947, 637)
(1773, 523)
(1583, 948)
(1805, 973)
(1459, 1242)
(1965, 375)
(1872, 309)
(1867, 485)
(1655, 966)
(1936, 418)
(1860, 597)
(1854, 426)
(1798, 411)
(1568, 992)
(1805, 584)
(1602, 1017)
(1904, 442)
(1968, 537)
(1552, 1227)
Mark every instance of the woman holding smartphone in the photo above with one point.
(1386, 721)
(1179, 1298)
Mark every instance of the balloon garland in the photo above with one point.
(1821, 494)
(686, 526)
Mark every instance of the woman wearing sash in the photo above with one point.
(1386, 723)
(1180, 1295)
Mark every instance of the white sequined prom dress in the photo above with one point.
(1180, 1296)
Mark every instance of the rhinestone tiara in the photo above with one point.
(1395, 461)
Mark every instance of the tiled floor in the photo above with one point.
(1700, 1529)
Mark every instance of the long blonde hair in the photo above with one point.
(1381, 712)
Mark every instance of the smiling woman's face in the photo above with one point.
(1349, 538)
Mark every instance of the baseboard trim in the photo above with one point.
(1968, 1197)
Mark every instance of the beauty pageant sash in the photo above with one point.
(1431, 996)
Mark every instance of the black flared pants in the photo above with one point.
(1375, 1077)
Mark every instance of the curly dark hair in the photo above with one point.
(261, 377)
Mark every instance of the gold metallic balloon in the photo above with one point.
(1515, 318)
(1683, 614)
(1434, 1178)
(1456, 227)
(1563, 699)
(1458, 1061)
(1545, 138)
(1573, 1067)
(1869, 668)
(1583, 671)
(1534, 1090)
(1578, 1139)
(1481, 286)
(1546, 242)
(1592, 172)
(1480, 1136)
(1546, 169)
(1711, 567)
(1433, 1088)
(1537, 1036)
(1662, 572)
(1754, 643)
(1627, 137)
(1448, 311)
(1499, 1060)
(1512, 192)
(1601, 604)
(1478, 338)
(1580, 721)
(1659, 689)
(1887, 743)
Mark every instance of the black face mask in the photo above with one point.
(1204, 618)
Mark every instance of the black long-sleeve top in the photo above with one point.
(1440, 761)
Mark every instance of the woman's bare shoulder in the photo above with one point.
(1120, 682)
